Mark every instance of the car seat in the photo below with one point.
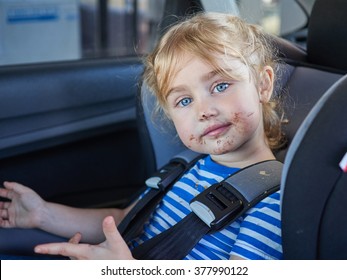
(313, 185)
(305, 77)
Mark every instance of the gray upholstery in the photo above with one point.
(162, 134)
(303, 89)
(313, 186)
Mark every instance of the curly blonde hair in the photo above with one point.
(207, 35)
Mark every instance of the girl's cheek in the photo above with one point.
(243, 121)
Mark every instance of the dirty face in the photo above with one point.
(213, 113)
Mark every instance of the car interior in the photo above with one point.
(48, 138)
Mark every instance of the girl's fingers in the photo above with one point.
(76, 238)
(65, 249)
(11, 188)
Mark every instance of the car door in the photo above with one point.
(68, 130)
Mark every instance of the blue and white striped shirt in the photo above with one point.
(255, 235)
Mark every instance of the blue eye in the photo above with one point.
(184, 102)
(220, 87)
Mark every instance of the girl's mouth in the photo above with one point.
(216, 130)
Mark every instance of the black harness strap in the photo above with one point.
(213, 209)
(174, 243)
(160, 183)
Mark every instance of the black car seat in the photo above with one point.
(314, 186)
(327, 33)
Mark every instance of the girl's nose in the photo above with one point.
(206, 115)
(207, 110)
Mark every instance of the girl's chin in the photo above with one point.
(216, 147)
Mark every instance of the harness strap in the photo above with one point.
(159, 184)
(213, 209)
(174, 243)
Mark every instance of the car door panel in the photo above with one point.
(68, 130)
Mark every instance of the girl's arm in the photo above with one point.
(26, 209)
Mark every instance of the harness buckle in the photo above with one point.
(165, 176)
(217, 205)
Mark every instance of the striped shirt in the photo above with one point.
(254, 235)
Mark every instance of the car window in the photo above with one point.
(284, 18)
(57, 30)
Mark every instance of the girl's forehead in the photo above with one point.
(221, 64)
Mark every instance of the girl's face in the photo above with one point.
(218, 115)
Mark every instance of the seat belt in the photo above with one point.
(132, 225)
(213, 209)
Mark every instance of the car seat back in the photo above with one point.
(313, 195)
(314, 190)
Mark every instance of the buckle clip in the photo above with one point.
(217, 206)
(165, 176)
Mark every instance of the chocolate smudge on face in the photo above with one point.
(250, 114)
(240, 122)
(199, 141)
(225, 146)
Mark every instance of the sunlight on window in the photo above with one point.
(271, 19)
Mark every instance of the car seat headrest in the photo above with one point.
(287, 49)
(327, 33)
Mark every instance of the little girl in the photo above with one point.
(213, 76)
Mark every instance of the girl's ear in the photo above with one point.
(266, 84)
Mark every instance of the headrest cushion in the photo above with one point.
(327, 33)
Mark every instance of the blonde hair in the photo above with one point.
(207, 35)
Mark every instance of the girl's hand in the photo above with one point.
(114, 247)
(23, 208)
